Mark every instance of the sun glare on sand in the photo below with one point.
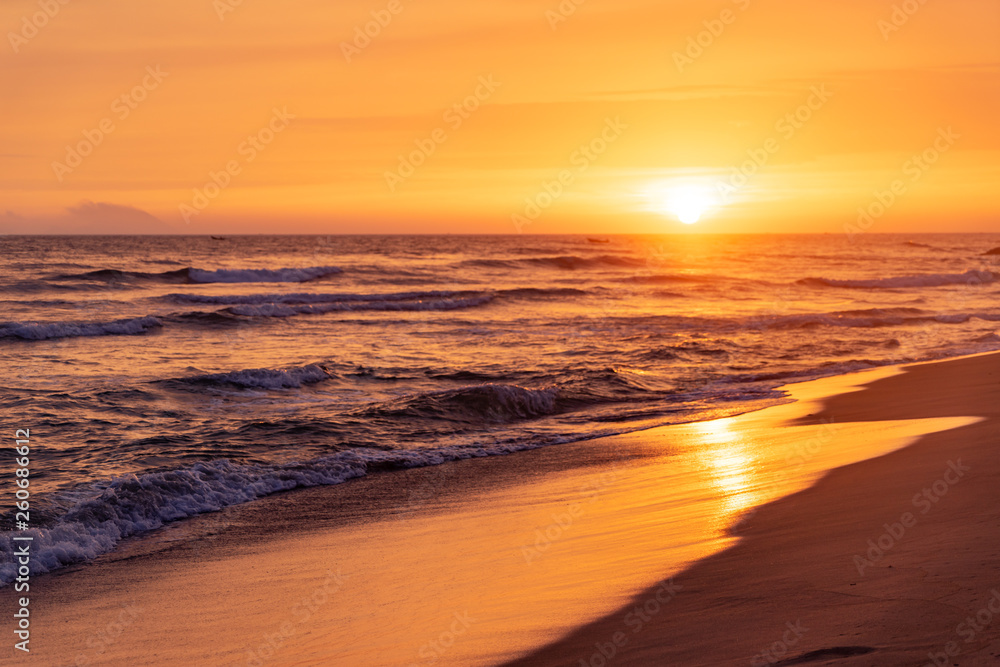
(688, 203)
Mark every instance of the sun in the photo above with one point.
(686, 202)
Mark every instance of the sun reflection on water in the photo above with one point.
(731, 464)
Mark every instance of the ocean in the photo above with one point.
(165, 377)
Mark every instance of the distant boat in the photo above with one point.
(598, 240)
(218, 238)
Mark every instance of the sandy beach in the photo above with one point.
(794, 590)
(611, 551)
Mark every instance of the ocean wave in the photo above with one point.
(309, 298)
(118, 276)
(286, 310)
(262, 275)
(824, 369)
(464, 376)
(47, 330)
(657, 278)
(873, 318)
(44, 286)
(498, 402)
(41, 303)
(667, 294)
(304, 298)
(542, 292)
(564, 262)
(661, 353)
(495, 403)
(866, 318)
(260, 378)
(203, 276)
(210, 318)
(971, 277)
(878, 312)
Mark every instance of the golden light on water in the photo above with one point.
(730, 463)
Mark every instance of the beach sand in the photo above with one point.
(793, 591)
(543, 557)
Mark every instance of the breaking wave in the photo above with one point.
(192, 275)
(971, 277)
(47, 330)
(497, 403)
(564, 262)
(286, 310)
(260, 378)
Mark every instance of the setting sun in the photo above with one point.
(688, 203)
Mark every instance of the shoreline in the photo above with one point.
(881, 562)
(404, 513)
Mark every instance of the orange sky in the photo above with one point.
(625, 78)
